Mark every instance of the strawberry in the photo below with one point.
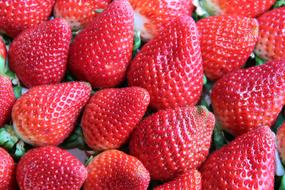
(18, 15)
(39, 55)
(173, 141)
(247, 8)
(190, 180)
(46, 115)
(281, 141)
(271, 40)
(111, 115)
(3, 52)
(116, 170)
(151, 16)
(50, 168)
(7, 169)
(78, 13)
(170, 66)
(247, 163)
(226, 43)
(100, 54)
(249, 98)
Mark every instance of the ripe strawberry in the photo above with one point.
(151, 16)
(271, 40)
(7, 169)
(190, 180)
(111, 115)
(281, 141)
(39, 55)
(249, 98)
(116, 170)
(100, 54)
(78, 13)
(170, 66)
(46, 115)
(246, 163)
(18, 15)
(50, 168)
(248, 8)
(3, 52)
(173, 141)
(226, 43)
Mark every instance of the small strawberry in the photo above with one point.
(226, 43)
(100, 54)
(170, 66)
(190, 180)
(281, 141)
(246, 163)
(46, 115)
(78, 13)
(39, 55)
(111, 115)
(7, 170)
(173, 141)
(116, 170)
(50, 168)
(250, 98)
(151, 16)
(271, 40)
(18, 15)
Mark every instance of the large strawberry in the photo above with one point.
(116, 170)
(281, 141)
(50, 168)
(226, 43)
(39, 55)
(271, 40)
(173, 141)
(100, 54)
(78, 13)
(46, 115)
(170, 66)
(7, 170)
(151, 15)
(249, 98)
(246, 163)
(18, 15)
(111, 115)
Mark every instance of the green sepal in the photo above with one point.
(259, 61)
(17, 91)
(99, 10)
(89, 160)
(219, 136)
(282, 184)
(279, 121)
(279, 3)
(20, 149)
(8, 137)
(75, 140)
(205, 80)
(2, 66)
(137, 42)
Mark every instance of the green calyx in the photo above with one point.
(137, 42)
(279, 3)
(75, 140)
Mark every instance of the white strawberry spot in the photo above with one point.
(140, 22)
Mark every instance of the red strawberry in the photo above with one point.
(7, 99)
(50, 168)
(46, 114)
(151, 16)
(247, 163)
(226, 43)
(188, 181)
(3, 52)
(100, 54)
(173, 141)
(170, 66)
(248, 8)
(271, 41)
(39, 55)
(78, 13)
(281, 141)
(7, 169)
(111, 115)
(250, 98)
(116, 170)
(18, 15)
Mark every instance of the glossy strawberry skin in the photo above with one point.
(39, 55)
(18, 15)
(46, 115)
(100, 54)
(271, 40)
(50, 168)
(3, 52)
(190, 180)
(7, 170)
(78, 13)
(281, 141)
(170, 66)
(250, 98)
(173, 141)
(246, 163)
(111, 115)
(116, 170)
(226, 43)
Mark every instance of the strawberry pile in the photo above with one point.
(142, 94)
